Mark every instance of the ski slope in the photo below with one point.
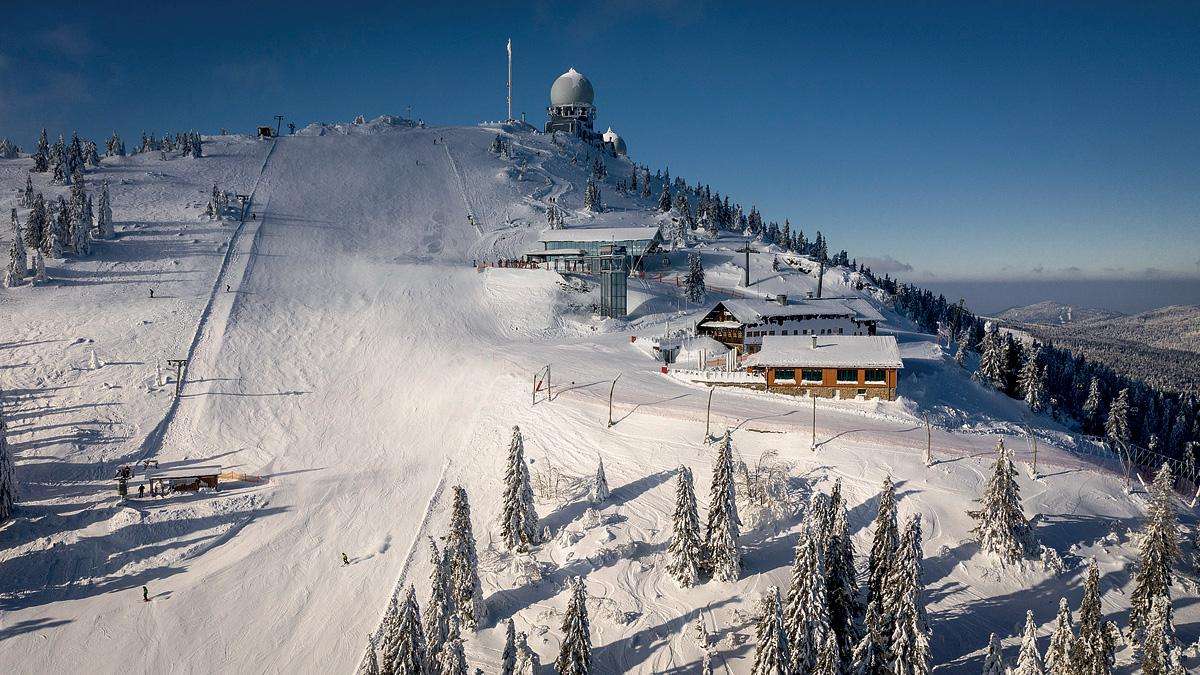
(359, 364)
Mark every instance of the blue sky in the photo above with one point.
(943, 140)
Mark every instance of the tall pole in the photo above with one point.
(610, 399)
(509, 118)
(928, 443)
(746, 273)
(708, 414)
(278, 121)
(813, 446)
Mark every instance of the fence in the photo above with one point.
(716, 376)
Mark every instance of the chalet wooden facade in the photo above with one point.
(844, 366)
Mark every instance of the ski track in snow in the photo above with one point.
(361, 366)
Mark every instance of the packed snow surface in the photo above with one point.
(348, 363)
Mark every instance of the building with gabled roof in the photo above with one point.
(844, 366)
(742, 324)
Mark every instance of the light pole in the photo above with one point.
(746, 272)
(179, 364)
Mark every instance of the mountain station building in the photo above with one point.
(829, 366)
(743, 324)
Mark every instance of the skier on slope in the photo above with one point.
(145, 594)
(345, 560)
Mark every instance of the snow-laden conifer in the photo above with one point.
(402, 640)
(1093, 408)
(518, 517)
(664, 198)
(35, 223)
(591, 197)
(694, 290)
(440, 608)
(686, 551)
(600, 491)
(115, 147)
(1161, 650)
(1157, 551)
(1116, 426)
(8, 476)
(1062, 641)
(771, 651)
(1031, 381)
(993, 660)
(1029, 661)
(960, 354)
(466, 593)
(452, 660)
(993, 362)
(368, 665)
(1001, 526)
(721, 553)
(508, 657)
(39, 268)
(841, 577)
(27, 193)
(1094, 648)
(870, 654)
(575, 651)
(104, 216)
(884, 540)
(829, 659)
(909, 648)
(41, 154)
(806, 614)
(527, 659)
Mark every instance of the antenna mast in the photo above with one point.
(509, 118)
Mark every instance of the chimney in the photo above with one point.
(814, 342)
(781, 299)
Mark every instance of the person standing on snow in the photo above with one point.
(145, 594)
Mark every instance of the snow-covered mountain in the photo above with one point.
(348, 365)
(1051, 313)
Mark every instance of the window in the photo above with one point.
(785, 374)
(839, 331)
(876, 376)
(862, 392)
(812, 375)
(847, 375)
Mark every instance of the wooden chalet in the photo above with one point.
(842, 366)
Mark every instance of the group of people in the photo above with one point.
(505, 262)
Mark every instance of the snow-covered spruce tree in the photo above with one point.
(508, 657)
(1157, 551)
(91, 155)
(600, 491)
(41, 154)
(829, 659)
(452, 660)
(993, 363)
(8, 474)
(1029, 661)
(518, 517)
(870, 654)
(62, 223)
(575, 651)
(197, 146)
(8, 149)
(1093, 651)
(35, 223)
(685, 555)
(591, 197)
(27, 193)
(884, 541)
(909, 648)
(368, 665)
(771, 655)
(104, 221)
(841, 577)
(18, 267)
(1062, 641)
(806, 614)
(1031, 381)
(960, 354)
(39, 268)
(694, 290)
(1161, 650)
(440, 608)
(664, 198)
(115, 146)
(402, 641)
(466, 594)
(1001, 525)
(1116, 426)
(993, 660)
(1093, 408)
(527, 659)
(722, 557)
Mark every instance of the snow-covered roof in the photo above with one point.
(571, 88)
(831, 351)
(618, 143)
(600, 234)
(863, 309)
(754, 311)
(557, 252)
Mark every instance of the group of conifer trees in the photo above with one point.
(1088, 646)
(1057, 381)
(825, 622)
(55, 229)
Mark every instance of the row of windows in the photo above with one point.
(844, 375)
(823, 331)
